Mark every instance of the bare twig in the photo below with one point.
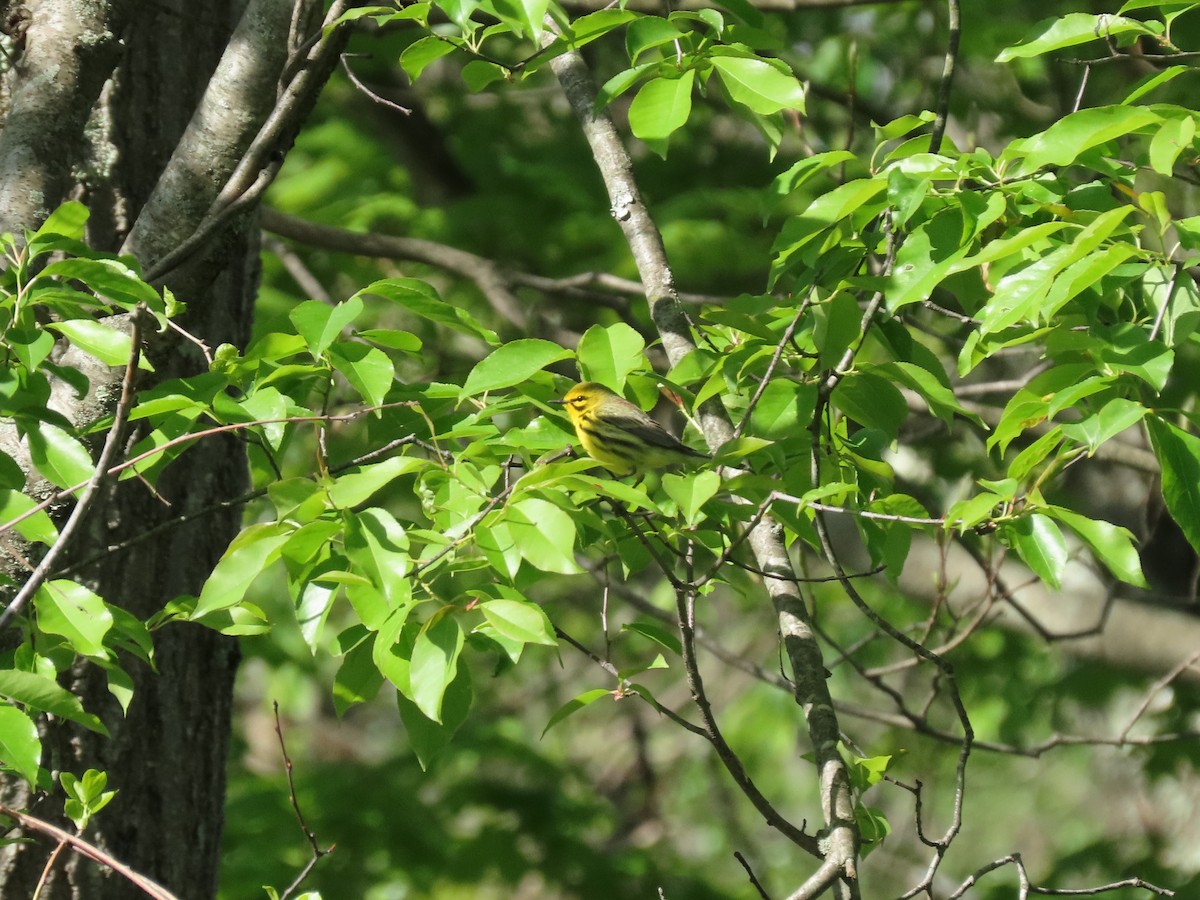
(762, 892)
(370, 94)
(954, 32)
(317, 852)
(770, 370)
(1026, 888)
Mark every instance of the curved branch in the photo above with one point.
(144, 884)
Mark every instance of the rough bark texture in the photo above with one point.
(167, 756)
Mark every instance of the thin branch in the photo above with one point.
(1026, 888)
(144, 884)
(943, 100)
(233, 503)
(368, 93)
(623, 684)
(770, 370)
(193, 436)
(91, 487)
(762, 892)
(317, 852)
(725, 753)
(493, 280)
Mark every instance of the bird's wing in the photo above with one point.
(645, 428)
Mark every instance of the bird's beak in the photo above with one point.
(557, 402)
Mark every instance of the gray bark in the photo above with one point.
(70, 131)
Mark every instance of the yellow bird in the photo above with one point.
(618, 435)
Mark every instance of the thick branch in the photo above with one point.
(240, 96)
(70, 50)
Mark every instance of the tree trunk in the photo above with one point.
(106, 140)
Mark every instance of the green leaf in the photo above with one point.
(20, 747)
(511, 364)
(434, 662)
(110, 279)
(544, 534)
(358, 678)
(873, 401)
(647, 32)
(1111, 544)
(108, 345)
(45, 695)
(519, 620)
(783, 411)
(368, 370)
(249, 553)
(1039, 542)
(68, 220)
(422, 300)
(608, 353)
(321, 324)
(533, 17)
(477, 75)
(378, 545)
(661, 106)
(38, 527)
(758, 85)
(824, 212)
(574, 705)
(495, 541)
(427, 737)
(72, 611)
(353, 488)
(1179, 455)
(656, 633)
(1114, 417)
(1071, 30)
(60, 458)
(424, 51)
(691, 492)
(1062, 143)
(1169, 141)
(940, 399)
(1152, 81)
(392, 338)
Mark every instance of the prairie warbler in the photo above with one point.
(618, 435)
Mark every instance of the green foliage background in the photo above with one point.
(437, 576)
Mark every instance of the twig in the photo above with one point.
(232, 503)
(93, 485)
(46, 869)
(317, 852)
(623, 685)
(368, 93)
(762, 892)
(725, 753)
(1026, 888)
(193, 436)
(770, 370)
(943, 100)
(148, 887)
